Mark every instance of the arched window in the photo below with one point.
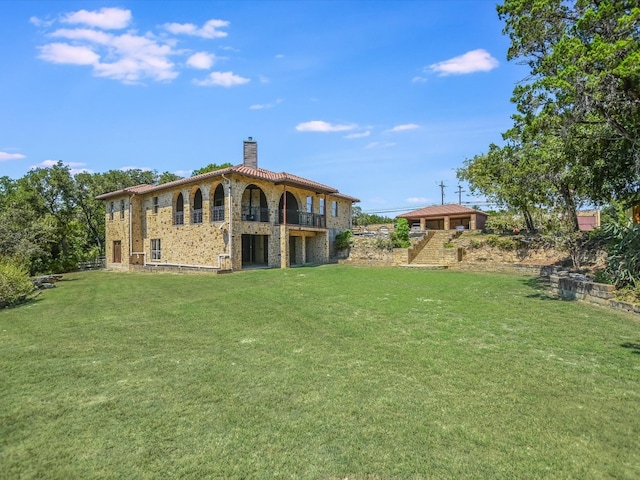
(121, 208)
(217, 207)
(196, 214)
(178, 214)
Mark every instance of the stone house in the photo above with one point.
(446, 217)
(230, 219)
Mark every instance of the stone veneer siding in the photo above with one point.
(201, 245)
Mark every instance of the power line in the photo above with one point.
(418, 207)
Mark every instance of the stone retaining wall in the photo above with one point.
(573, 288)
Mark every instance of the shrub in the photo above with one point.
(623, 254)
(503, 243)
(385, 243)
(343, 240)
(400, 237)
(15, 283)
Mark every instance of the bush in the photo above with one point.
(15, 283)
(502, 243)
(343, 240)
(385, 243)
(623, 254)
(400, 237)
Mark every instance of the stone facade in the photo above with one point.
(230, 219)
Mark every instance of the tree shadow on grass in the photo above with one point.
(634, 347)
(541, 287)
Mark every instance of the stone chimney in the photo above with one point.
(250, 157)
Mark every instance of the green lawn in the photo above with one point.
(316, 373)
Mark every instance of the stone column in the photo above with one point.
(284, 247)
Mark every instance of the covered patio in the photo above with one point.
(446, 217)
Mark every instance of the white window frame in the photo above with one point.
(156, 249)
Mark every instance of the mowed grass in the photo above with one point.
(316, 373)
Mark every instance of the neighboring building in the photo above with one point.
(446, 217)
(588, 220)
(228, 219)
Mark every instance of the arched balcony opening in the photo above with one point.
(196, 209)
(178, 210)
(217, 205)
(254, 205)
(289, 209)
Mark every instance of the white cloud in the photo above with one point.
(39, 22)
(84, 34)
(69, 54)
(419, 200)
(105, 18)
(418, 79)
(201, 60)
(474, 61)
(321, 126)
(404, 128)
(126, 56)
(10, 156)
(74, 167)
(380, 145)
(262, 106)
(135, 58)
(222, 79)
(358, 135)
(208, 30)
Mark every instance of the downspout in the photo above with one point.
(230, 224)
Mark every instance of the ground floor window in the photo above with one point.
(156, 251)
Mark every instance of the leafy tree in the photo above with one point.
(575, 134)
(584, 88)
(166, 177)
(212, 167)
(363, 219)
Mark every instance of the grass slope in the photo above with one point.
(326, 372)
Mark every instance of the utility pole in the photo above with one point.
(442, 185)
(460, 190)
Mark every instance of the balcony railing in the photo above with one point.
(217, 214)
(196, 216)
(296, 217)
(255, 214)
(178, 218)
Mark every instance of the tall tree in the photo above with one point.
(212, 167)
(584, 88)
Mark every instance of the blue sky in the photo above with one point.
(380, 99)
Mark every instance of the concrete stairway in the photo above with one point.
(431, 251)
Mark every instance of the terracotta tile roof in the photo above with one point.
(441, 211)
(282, 178)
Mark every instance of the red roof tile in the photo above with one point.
(282, 178)
(441, 211)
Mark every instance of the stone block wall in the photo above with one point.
(581, 289)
